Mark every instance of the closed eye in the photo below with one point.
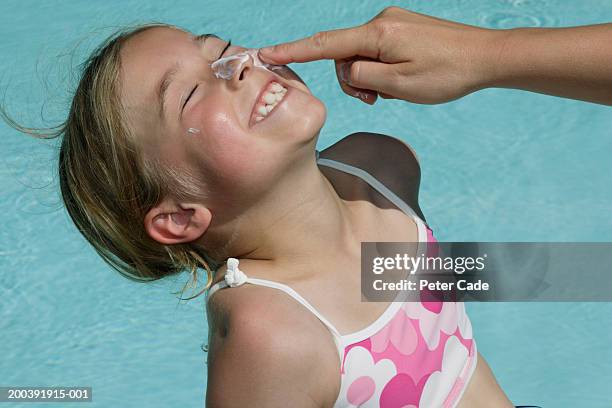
(188, 97)
(196, 87)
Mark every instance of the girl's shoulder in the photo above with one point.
(391, 161)
(232, 308)
(258, 335)
(263, 327)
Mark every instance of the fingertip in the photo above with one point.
(366, 97)
(369, 101)
(266, 54)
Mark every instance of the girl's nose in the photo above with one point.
(232, 66)
(243, 70)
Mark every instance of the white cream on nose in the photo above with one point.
(227, 67)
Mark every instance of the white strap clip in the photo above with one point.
(234, 276)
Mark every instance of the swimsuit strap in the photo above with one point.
(373, 182)
(234, 277)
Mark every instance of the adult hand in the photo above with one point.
(405, 55)
(398, 54)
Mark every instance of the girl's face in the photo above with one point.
(230, 146)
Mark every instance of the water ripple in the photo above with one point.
(515, 13)
(506, 19)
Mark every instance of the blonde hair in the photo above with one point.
(108, 185)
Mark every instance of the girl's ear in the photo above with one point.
(172, 223)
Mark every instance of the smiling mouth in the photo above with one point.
(269, 98)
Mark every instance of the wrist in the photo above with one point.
(499, 61)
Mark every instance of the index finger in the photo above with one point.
(332, 44)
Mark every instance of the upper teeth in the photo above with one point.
(270, 99)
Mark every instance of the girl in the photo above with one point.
(166, 167)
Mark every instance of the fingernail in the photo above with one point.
(344, 72)
(361, 95)
(264, 53)
(366, 97)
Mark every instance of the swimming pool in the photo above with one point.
(498, 165)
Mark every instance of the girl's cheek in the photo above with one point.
(219, 135)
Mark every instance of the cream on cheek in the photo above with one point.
(221, 147)
(193, 130)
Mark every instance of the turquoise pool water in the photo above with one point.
(498, 165)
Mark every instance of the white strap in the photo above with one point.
(377, 185)
(235, 277)
(336, 334)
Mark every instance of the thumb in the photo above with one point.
(376, 76)
(333, 44)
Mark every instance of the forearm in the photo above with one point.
(573, 62)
